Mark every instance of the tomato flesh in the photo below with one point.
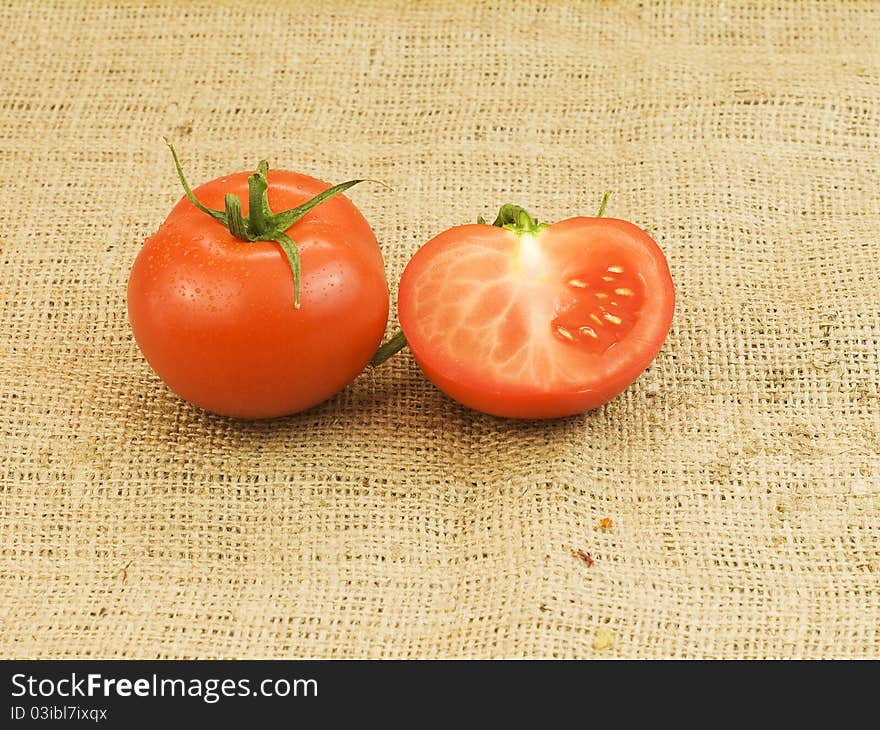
(537, 325)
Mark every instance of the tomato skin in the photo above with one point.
(460, 363)
(214, 316)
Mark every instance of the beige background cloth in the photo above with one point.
(741, 471)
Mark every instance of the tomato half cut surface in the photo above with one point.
(543, 322)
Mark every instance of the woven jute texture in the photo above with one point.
(741, 471)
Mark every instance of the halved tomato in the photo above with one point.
(529, 320)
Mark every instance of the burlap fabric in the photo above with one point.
(741, 471)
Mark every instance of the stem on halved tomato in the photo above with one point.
(389, 348)
(515, 218)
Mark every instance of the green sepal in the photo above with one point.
(286, 219)
(237, 222)
(292, 252)
(216, 214)
(603, 204)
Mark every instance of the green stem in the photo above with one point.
(259, 215)
(389, 348)
(603, 204)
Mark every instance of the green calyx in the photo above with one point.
(261, 224)
(515, 218)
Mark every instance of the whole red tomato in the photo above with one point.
(259, 314)
(530, 320)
